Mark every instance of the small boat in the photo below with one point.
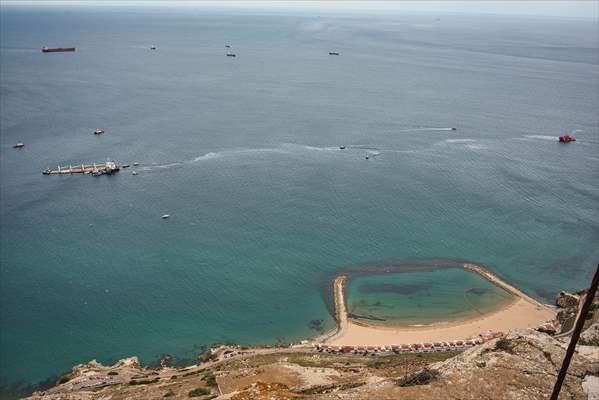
(19, 145)
(454, 129)
(228, 46)
(567, 139)
(98, 131)
(152, 47)
(341, 147)
(125, 166)
(135, 164)
(333, 53)
(231, 55)
(134, 173)
(165, 216)
(367, 157)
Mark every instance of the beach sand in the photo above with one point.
(518, 314)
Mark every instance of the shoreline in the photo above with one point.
(520, 312)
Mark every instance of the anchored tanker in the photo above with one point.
(56, 49)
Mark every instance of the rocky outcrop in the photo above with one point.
(591, 334)
(567, 300)
(568, 307)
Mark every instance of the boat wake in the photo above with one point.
(459, 140)
(236, 152)
(207, 156)
(476, 146)
(152, 167)
(285, 148)
(541, 137)
(291, 146)
(426, 129)
(363, 147)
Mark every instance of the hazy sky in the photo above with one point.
(565, 8)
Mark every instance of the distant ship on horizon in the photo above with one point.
(56, 49)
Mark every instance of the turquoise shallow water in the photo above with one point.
(415, 298)
(244, 155)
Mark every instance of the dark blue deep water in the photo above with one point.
(243, 153)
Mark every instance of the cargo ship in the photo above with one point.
(56, 49)
(94, 169)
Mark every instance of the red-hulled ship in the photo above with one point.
(56, 49)
(567, 138)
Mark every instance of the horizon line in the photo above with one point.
(579, 9)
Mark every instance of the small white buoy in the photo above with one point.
(165, 216)
(134, 173)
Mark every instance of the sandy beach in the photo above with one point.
(522, 312)
(518, 314)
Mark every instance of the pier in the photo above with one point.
(95, 169)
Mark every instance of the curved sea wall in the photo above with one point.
(338, 296)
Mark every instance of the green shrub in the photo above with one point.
(422, 377)
(589, 342)
(202, 391)
(210, 379)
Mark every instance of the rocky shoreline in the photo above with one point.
(522, 364)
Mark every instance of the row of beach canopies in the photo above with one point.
(414, 347)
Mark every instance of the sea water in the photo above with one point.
(244, 154)
(423, 298)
